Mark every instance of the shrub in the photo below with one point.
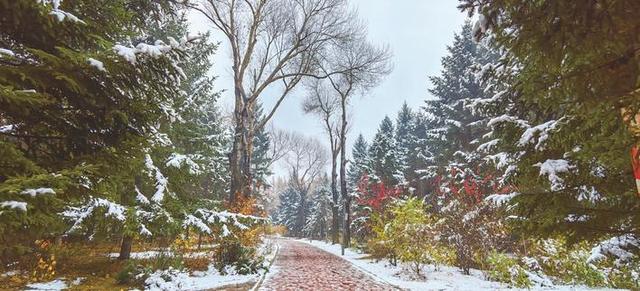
(503, 268)
(409, 235)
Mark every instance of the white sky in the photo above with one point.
(417, 31)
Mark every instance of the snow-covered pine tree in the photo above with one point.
(319, 215)
(453, 128)
(405, 140)
(557, 124)
(288, 210)
(384, 160)
(98, 95)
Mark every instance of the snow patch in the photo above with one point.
(7, 52)
(96, 64)
(14, 205)
(57, 284)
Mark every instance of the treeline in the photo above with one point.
(520, 165)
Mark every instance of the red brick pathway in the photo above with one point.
(300, 266)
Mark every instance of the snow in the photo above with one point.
(480, 27)
(166, 280)
(618, 247)
(39, 191)
(155, 50)
(589, 193)
(507, 118)
(127, 53)
(178, 160)
(161, 180)
(79, 214)
(97, 64)
(14, 205)
(191, 220)
(542, 131)
(225, 231)
(210, 279)
(436, 278)
(501, 199)
(59, 14)
(57, 284)
(6, 52)
(7, 128)
(551, 168)
(485, 147)
(140, 197)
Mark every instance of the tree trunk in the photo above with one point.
(125, 247)
(240, 157)
(335, 215)
(346, 238)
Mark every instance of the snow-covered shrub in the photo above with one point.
(506, 269)
(568, 264)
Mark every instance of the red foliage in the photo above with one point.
(469, 189)
(375, 194)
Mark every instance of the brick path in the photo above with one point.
(300, 266)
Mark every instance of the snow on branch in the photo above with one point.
(501, 199)
(542, 131)
(155, 50)
(59, 14)
(507, 118)
(161, 180)
(551, 168)
(38, 192)
(79, 214)
(177, 160)
(14, 205)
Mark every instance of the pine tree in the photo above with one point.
(319, 218)
(359, 165)
(260, 160)
(97, 97)
(288, 211)
(454, 128)
(405, 140)
(385, 166)
(556, 116)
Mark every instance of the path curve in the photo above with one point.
(301, 266)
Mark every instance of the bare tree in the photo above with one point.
(361, 66)
(322, 101)
(274, 45)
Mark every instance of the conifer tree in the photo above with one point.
(405, 139)
(557, 124)
(97, 94)
(383, 153)
(319, 218)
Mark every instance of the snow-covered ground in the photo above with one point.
(153, 254)
(442, 278)
(168, 280)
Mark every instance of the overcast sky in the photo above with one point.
(417, 31)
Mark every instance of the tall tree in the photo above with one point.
(405, 139)
(274, 45)
(323, 103)
(558, 123)
(99, 96)
(384, 157)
